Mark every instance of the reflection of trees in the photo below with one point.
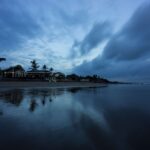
(37, 96)
(45, 92)
(12, 96)
(44, 95)
(50, 99)
(16, 96)
(33, 105)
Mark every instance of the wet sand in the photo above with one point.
(13, 84)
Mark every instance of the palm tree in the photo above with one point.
(51, 76)
(34, 65)
(45, 67)
(51, 69)
(1, 59)
(45, 70)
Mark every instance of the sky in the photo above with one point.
(110, 38)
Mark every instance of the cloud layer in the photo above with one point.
(16, 25)
(88, 37)
(99, 33)
(127, 54)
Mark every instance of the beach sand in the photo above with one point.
(27, 84)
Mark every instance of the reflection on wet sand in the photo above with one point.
(75, 118)
(16, 96)
(100, 138)
(33, 105)
(81, 118)
(94, 126)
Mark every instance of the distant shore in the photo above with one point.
(39, 84)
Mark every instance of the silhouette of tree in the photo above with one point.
(45, 67)
(95, 77)
(51, 69)
(34, 65)
(2, 59)
(73, 77)
(33, 105)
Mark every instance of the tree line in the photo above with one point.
(71, 77)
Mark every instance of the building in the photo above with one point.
(38, 74)
(18, 72)
(14, 72)
(59, 76)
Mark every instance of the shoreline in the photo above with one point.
(25, 84)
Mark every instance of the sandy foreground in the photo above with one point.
(48, 84)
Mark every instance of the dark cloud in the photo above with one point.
(132, 42)
(16, 24)
(127, 54)
(98, 33)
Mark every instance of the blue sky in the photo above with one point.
(106, 37)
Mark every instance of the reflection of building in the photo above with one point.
(14, 97)
(14, 72)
